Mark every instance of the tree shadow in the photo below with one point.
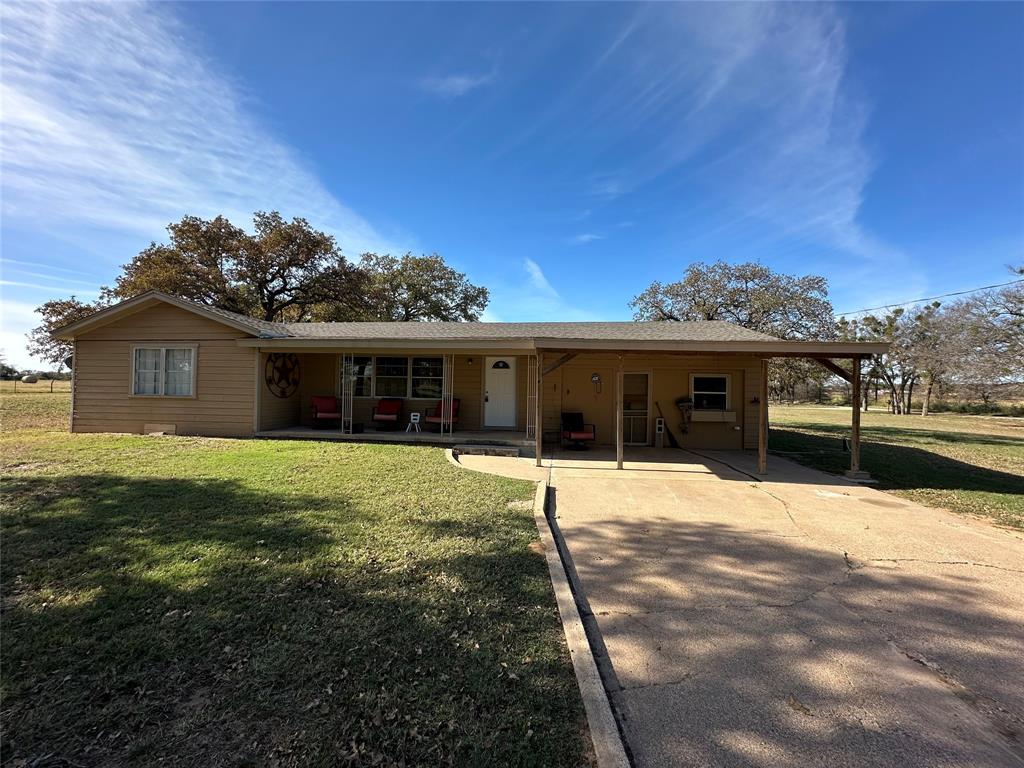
(896, 467)
(913, 434)
(200, 622)
(723, 645)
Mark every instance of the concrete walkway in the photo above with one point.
(800, 620)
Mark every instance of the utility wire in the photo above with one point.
(930, 298)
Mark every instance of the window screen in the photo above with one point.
(427, 373)
(147, 372)
(178, 372)
(164, 371)
(392, 377)
(710, 393)
(363, 371)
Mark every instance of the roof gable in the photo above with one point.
(248, 325)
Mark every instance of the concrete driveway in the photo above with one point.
(800, 620)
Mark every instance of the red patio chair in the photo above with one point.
(325, 409)
(387, 411)
(434, 415)
(575, 433)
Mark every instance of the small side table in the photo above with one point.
(414, 422)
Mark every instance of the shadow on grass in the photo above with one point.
(200, 622)
(896, 467)
(725, 641)
(909, 434)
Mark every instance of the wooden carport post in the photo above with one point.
(855, 425)
(762, 421)
(618, 414)
(538, 420)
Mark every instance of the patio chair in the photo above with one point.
(325, 409)
(434, 415)
(387, 412)
(575, 433)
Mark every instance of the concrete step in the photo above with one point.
(487, 450)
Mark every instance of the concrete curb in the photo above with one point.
(604, 731)
(452, 458)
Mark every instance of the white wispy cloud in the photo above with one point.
(454, 85)
(534, 298)
(585, 237)
(537, 278)
(749, 102)
(114, 119)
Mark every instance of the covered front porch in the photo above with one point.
(396, 395)
(476, 437)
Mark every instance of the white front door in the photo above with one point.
(500, 392)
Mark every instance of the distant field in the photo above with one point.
(33, 406)
(39, 386)
(969, 464)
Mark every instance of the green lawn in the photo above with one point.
(224, 602)
(969, 464)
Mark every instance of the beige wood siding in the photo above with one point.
(276, 412)
(569, 388)
(224, 399)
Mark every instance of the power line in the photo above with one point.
(931, 298)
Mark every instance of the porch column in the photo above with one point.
(762, 421)
(618, 415)
(855, 426)
(538, 425)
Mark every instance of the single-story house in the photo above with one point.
(159, 363)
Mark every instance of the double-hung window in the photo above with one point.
(363, 372)
(710, 391)
(414, 377)
(427, 377)
(392, 377)
(164, 371)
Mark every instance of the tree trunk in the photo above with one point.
(910, 402)
(927, 397)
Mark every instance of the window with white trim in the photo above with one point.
(427, 376)
(710, 391)
(414, 377)
(363, 372)
(163, 371)
(392, 377)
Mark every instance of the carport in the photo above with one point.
(749, 352)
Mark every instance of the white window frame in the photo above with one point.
(439, 379)
(374, 378)
(340, 369)
(408, 376)
(194, 348)
(728, 391)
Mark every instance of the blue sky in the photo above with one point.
(563, 155)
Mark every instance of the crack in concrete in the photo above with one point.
(1006, 723)
(938, 562)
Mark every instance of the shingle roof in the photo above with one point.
(258, 326)
(685, 336)
(710, 330)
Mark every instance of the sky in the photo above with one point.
(563, 155)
